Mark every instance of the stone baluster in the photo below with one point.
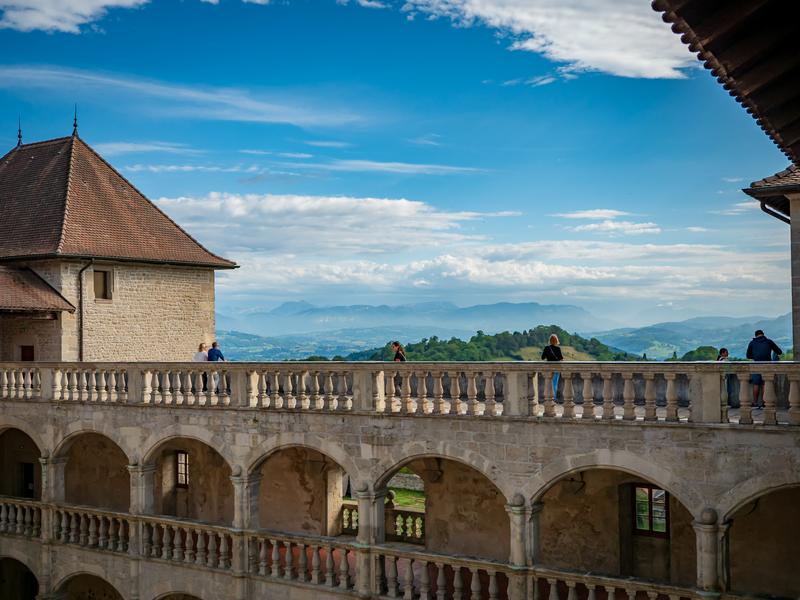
(274, 390)
(30, 383)
(608, 395)
(214, 385)
(12, 519)
(391, 392)
(74, 528)
(102, 539)
(64, 532)
(73, 385)
(224, 552)
(569, 397)
(166, 542)
(92, 539)
(672, 397)
(591, 591)
(441, 582)
(458, 583)
(3, 518)
(160, 387)
(424, 581)
(92, 391)
(200, 555)
(553, 583)
(405, 393)
(213, 554)
(37, 523)
(770, 416)
(438, 394)
(390, 567)
(549, 399)
(422, 392)
(262, 388)
(313, 388)
(275, 559)
(4, 384)
(188, 553)
(262, 557)
(301, 401)
(113, 394)
(493, 587)
(472, 392)
(343, 401)
(302, 563)
(588, 396)
(113, 538)
(490, 395)
(147, 544)
(288, 559)
(178, 387)
(329, 572)
(628, 397)
(475, 582)
(344, 570)
(330, 397)
(649, 396)
(794, 400)
(288, 389)
(408, 580)
(84, 529)
(315, 565)
(177, 544)
(103, 394)
(571, 590)
(455, 393)
(155, 550)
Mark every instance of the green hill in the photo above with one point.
(525, 345)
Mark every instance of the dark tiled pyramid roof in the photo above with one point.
(23, 290)
(60, 198)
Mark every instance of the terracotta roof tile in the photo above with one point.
(787, 178)
(23, 290)
(60, 198)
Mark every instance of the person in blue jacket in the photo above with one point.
(761, 349)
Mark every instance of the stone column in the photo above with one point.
(706, 534)
(518, 556)
(245, 499)
(53, 485)
(516, 394)
(142, 492)
(371, 531)
(724, 555)
(794, 209)
(704, 395)
(533, 542)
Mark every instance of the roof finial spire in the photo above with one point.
(19, 131)
(75, 121)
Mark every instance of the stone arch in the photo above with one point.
(22, 586)
(618, 460)
(190, 593)
(300, 488)
(193, 432)
(203, 491)
(94, 572)
(97, 474)
(753, 488)
(412, 451)
(10, 422)
(76, 430)
(336, 452)
(20, 471)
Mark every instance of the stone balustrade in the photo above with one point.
(341, 565)
(402, 525)
(649, 392)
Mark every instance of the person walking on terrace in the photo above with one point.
(552, 352)
(202, 356)
(761, 349)
(399, 352)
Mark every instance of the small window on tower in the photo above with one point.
(182, 469)
(102, 285)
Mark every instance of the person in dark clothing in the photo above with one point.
(761, 349)
(215, 354)
(399, 352)
(552, 352)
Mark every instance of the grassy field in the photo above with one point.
(409, 499)
(535, 353)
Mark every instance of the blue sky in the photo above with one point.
(558, 151)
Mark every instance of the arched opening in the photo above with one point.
(193, 481)
(96, 473)
(20, 472)
(88, 587)
(762, 542)
(301, 491)
(614, 523)
(463, 511)
(17, 581)
(178, 597)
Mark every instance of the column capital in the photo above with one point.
(52, 460)
(516, 506)
(246, 478)
(137, 469)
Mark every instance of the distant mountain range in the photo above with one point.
(662, 339)
(441, 318)
(296, 330)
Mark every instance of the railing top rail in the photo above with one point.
(343, 541)
(17, 500)
(403, 550)
(618, 581)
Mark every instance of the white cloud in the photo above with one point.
(739, 208)
(585, 36)
(430, 139)
(365, 166)
(328, 144)
(327, 224)
(698, 229)
(223, 104)
(57, 15)
(281, 154)
(594, 213)
(138, 168)
(619, 227)
(117, 148)
(733, 179)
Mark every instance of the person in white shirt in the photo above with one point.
(202, 356)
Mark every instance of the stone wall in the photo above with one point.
(96, 473)
(300, 492)
(156, 313)
(764, 538)
(209, 495)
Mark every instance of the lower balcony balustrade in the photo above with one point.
(339, 565)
